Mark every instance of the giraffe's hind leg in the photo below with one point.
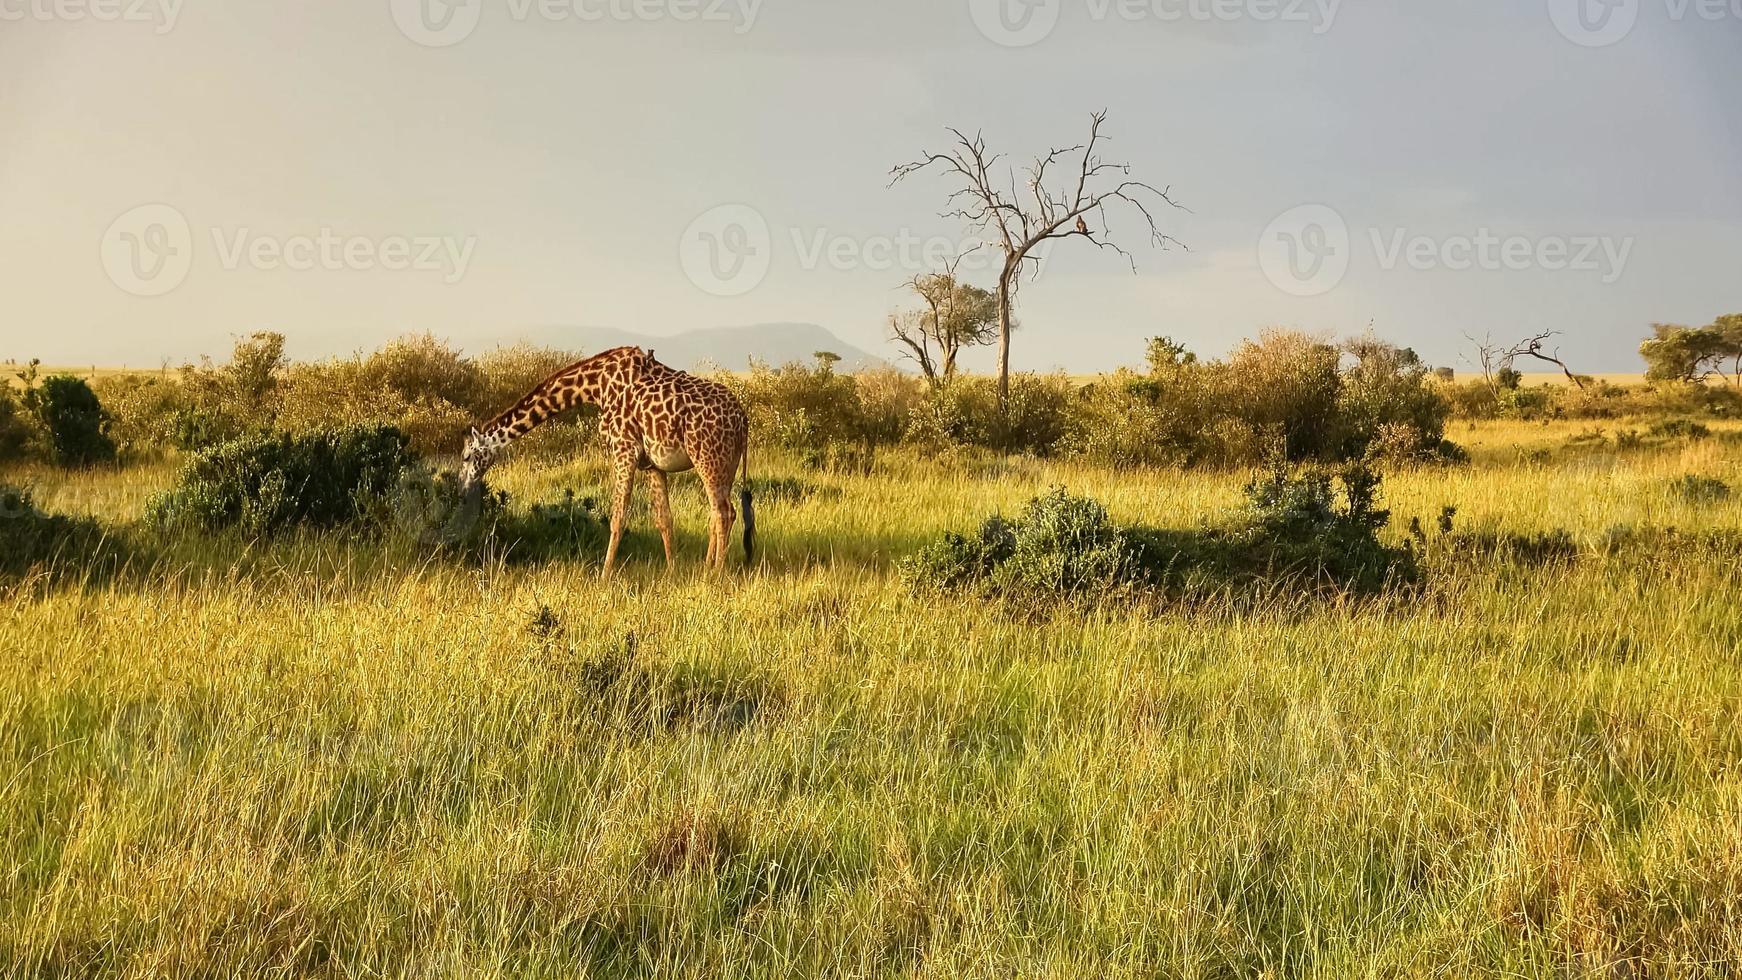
(721, 517)
(662, 512)
(625, 485)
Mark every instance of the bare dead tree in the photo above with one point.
(1494, 357)
(908, 330)
(955, 315)
(1018, 222)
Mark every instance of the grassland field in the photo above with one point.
(319, 757)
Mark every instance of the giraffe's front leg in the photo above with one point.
(662, 512)
(625, 485)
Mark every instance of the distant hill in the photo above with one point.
(726, 347)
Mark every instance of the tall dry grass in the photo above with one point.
(319, 757)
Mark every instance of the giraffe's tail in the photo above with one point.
(746, 505)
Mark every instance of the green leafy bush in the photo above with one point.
(1162, 419)
(1318, 526)
(1388, 408)
(1289, 384)
(1286, 393)
(570, 528)
(266, 483)
(16, 432)
(965, 412)
(1480, 399)
(73, 419)
(803, 407)
(1311, 529)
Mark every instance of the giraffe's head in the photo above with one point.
(476, 459)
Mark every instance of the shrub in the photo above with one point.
(266, 483)
(1387, 408)
(1530, 550)
(965, 412)
(218, 404)
(1287, 383)
(1285, 393)
(1132, 420)
(73, 420)
(421, 369)
(1317, 526)
(1700, 489)
(1596, 400)
(887, 399)
(1310, 529)
(569, 528)
(801, 407)
(1680, 429)
(148, 413)
(16, 432)
(417, 385)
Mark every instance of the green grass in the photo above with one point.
(313, 757)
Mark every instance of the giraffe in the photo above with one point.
(655, 420)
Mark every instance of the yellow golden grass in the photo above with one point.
(318, 757)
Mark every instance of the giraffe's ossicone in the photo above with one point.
(654, 419)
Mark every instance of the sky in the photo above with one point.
(177, 172)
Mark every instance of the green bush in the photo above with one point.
(1387, 406)
(267, 483)
(802, 407)
(1315, 526)
(965, 412)
(16, 431)
(202, 405)
(1312, 530)
(421, 369)
(73, 420)
(1162, 419)
(1284, 393)
(1597, 400)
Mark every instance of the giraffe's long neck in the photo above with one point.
(554, 397)
(600, 380)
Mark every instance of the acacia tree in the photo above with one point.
(1018, 222)
(955, 315)
(1676, 353)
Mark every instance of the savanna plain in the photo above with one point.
(319, 754)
